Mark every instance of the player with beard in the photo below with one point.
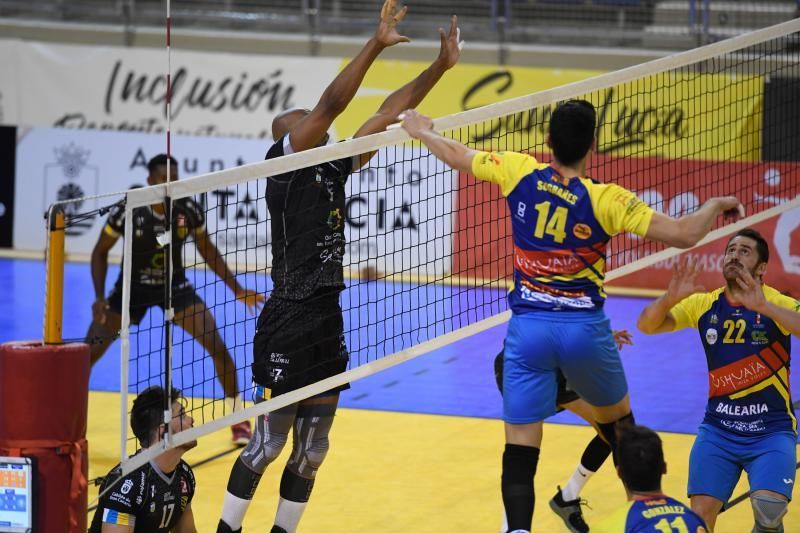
(299, 336)
(156, 497)
(745, 327)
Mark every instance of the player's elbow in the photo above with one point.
(644, 326)
(684, 241)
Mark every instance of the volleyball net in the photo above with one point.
(428, 253)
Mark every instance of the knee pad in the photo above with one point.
(308, 455)
(609, 431)
(311, 442)
(768, 512)
(269, 438)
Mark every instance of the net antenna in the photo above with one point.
(420, 304)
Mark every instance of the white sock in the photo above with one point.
(233, 405)
(288, 514)
(233, 510)
(572, 490)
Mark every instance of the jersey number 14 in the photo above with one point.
(553, 225)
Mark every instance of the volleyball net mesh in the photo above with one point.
(427, 257)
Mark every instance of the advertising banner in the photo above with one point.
(397, 216)
(124, 89)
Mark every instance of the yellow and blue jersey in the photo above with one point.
(561, 228)
(748, 356)
(661, 513)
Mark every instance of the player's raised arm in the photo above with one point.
(412, 93)
(688, 230)
(453, 153)
(657, 317)
(310, 130)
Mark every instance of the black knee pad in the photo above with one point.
(243, 481)
(498, 371)
(609, 431)
(295, 487)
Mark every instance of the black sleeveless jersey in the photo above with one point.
(307, 211)
(147, 499)
(147, 264)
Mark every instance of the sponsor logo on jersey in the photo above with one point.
(714, 319)
(127, 486)
(759, 337)
(742, 410)
(276, 357)
(711, 336)
(582, 231)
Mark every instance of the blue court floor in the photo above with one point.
(666, 374)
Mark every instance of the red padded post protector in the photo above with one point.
(44, 400)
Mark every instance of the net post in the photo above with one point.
(169, 313)
(54, 292)
(124, 331)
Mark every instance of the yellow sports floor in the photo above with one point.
(397, 473)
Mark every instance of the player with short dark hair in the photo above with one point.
(745, 328)
(300, 334)
(156, 497)
(640, 466)
(561, 223)
(148, 279)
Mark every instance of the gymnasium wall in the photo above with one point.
(88, 119)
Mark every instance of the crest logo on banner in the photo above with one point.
(70, 177)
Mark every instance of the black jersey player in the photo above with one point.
(156, 497)
(300, 337)
(148, 278)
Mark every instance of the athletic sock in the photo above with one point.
(519, 469)
(242, 485)
(233, 511)
(572, 490)
(288, 515)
